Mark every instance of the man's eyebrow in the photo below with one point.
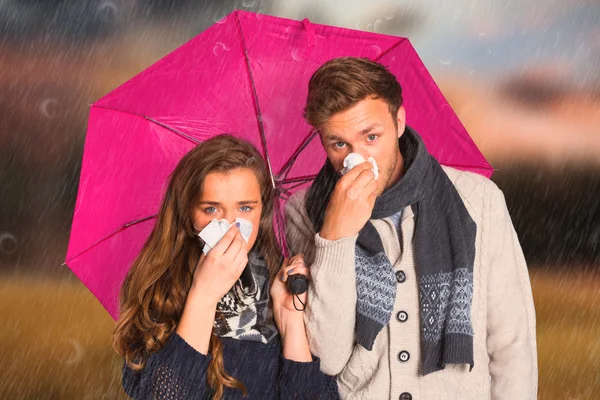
(365, 131)
(370, 128)
(332, 136)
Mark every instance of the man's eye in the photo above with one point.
(372, 138)
(339, 145)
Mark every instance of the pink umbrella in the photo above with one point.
(246, 75)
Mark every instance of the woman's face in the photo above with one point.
(230, 195)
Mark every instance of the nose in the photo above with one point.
(229, 215)
(362, 151)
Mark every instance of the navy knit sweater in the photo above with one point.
(178, 371)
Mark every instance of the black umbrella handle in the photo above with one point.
(297, 284)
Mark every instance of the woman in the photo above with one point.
(200, 326)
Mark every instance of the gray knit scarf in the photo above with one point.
(444, 243)
(243, 313)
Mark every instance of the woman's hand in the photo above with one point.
(283, 300)
(217, 272)
(290, 321)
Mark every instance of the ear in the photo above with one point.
(401, 119)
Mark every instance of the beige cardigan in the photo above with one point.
(502, 313)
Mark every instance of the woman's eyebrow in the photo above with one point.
(212, 203)
(243, 203)
(246, 202)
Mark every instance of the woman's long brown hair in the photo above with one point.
(155, 289)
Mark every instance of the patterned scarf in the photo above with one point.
(243, 313)
(444, 243)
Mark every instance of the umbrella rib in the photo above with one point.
(385, 53)
(280, 223)
(302, 179)
(167, 127)
(296, 185)
(288, 165)
(261, 127)
(127, 225)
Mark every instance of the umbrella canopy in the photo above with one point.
(246, 75)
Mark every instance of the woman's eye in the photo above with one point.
(339, 145)
(246, 209)
(210, 210)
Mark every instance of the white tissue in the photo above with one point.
(216, 229)
(354, 159)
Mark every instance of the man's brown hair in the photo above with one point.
(342, 82)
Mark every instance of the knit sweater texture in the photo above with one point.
(178, 372)
(502, 311)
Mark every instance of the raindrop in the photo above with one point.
(445, 61)
(8, 243)
(78, 353)
(49, 107)
(107, 11)
(298, 55)
(378, 25)
(286, 35)
(260, 13)
(248, 3)
(220, 48)
(489, 51)
(375, 51)
(390, 16)
(482, 35)
(370, 27)
(220, 20)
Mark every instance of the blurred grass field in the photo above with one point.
(55, 339)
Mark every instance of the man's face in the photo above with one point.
(368, 129)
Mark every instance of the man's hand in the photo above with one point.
(351, 203)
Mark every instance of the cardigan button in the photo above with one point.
(406, 396)
(400, 276)
(403, 356)
(402, 316)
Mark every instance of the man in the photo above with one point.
(419, 286)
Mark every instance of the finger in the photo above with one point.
(299, 256)
(240, 261)
(296, 260)
(288, 270)
(356, 171)
(223, 244)
(234, 247)
(282, 275)
(300, 271)
(364, 179)
(243, 250)
(371, 187)
(372, 198)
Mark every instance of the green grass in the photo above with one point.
(55, 339)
